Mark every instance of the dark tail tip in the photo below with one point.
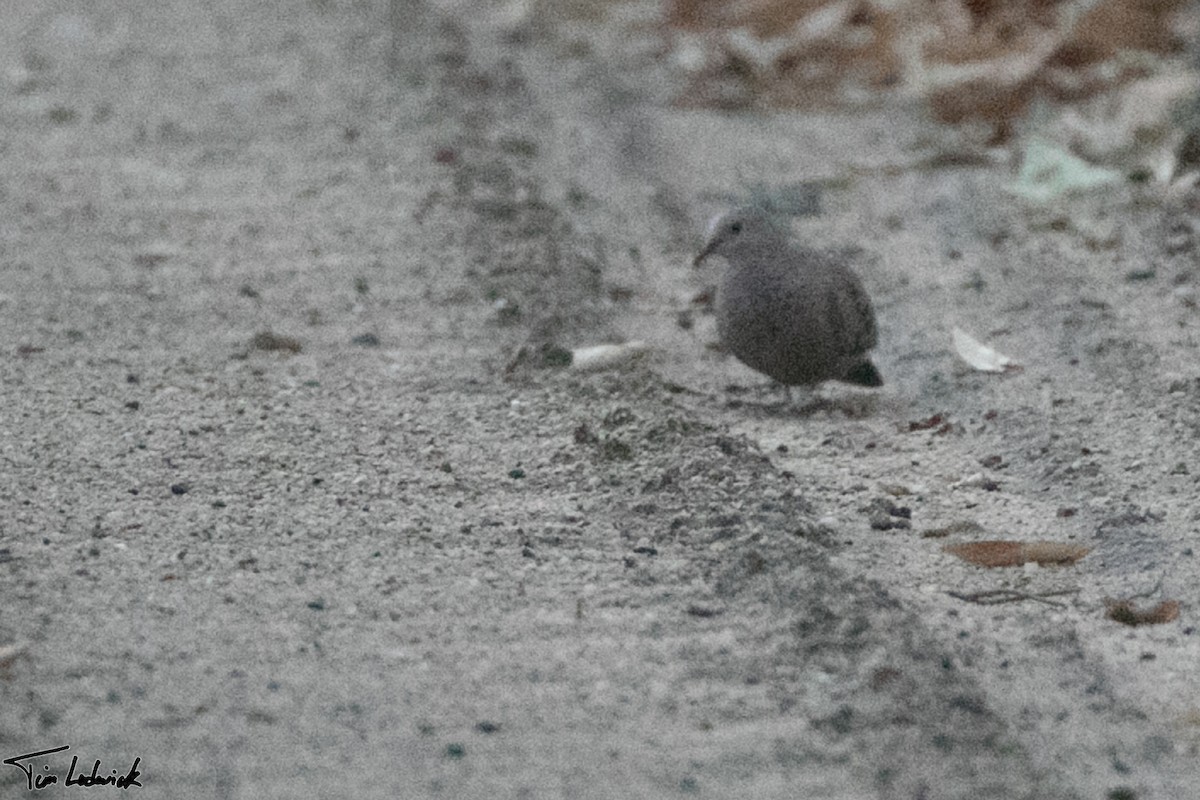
(864, 374)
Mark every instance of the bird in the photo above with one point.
(797, 315)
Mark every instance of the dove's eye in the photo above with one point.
(735, 227)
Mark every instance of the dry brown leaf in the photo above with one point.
(939, 421)
(1117, 25)
(9, 654)
(266, 340)
(1125, 612)
(1006, 553)
(764, 18)
(975, 61)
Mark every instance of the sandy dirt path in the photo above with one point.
(297, 503)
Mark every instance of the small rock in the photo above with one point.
(614, 449)
(881, 508)
(620, 294)
(644, 547)
(961, 526)
(583, 434)
(507, 312)
(1099, 234)
(1178, 242)
(880, 520)
(552, 355)
(975, 481)
(62, 115)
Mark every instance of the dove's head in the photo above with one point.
(743, 230)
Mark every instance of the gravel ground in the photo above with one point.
(299, 500)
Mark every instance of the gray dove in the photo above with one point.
(795, 314)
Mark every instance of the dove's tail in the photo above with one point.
(864, 373)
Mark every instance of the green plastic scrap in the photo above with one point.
(1049, 171)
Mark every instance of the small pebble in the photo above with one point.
(644, 547)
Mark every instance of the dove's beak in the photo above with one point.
(708, 248)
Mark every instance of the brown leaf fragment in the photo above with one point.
(1126, 613)
(150, 259)
(9, 653)
(1006, 553)
(936, 421)
(982, 62)
(883, 677)
(266, 340)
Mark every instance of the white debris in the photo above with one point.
(979, 356)
(605, 356)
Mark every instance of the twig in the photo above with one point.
(996, 596)
(1153, 590)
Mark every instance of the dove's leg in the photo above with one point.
(798, 394)
(803, 399)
